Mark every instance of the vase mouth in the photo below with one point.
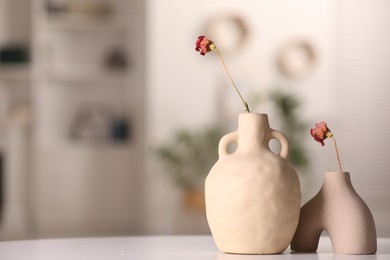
(253, 113)
(334, 172)
(254, 119)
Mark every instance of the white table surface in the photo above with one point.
(156, 247)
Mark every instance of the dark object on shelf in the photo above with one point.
(91, 8)
(116, 59)
(120, 130)
(14, 54)
(54, 7)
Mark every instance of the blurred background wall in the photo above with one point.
(101, 102)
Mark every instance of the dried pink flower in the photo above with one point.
(321, 132)
(204, 45)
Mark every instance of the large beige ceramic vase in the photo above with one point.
(252, 195)
(340, 211)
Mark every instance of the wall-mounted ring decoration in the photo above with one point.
(229, 31)
(296, 58)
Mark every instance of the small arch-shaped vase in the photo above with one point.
(341, 212)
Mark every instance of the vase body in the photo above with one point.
(252, 195)
(340, 211)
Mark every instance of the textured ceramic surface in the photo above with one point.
(339, 210)
(252, 195)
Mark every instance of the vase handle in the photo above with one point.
(224, 142)
(283, 142)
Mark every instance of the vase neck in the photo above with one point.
(253, 131)
(335, 182)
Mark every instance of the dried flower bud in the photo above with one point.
(204, 45)
(321, 132)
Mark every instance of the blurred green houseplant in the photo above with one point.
(293, 126)
(188, 159)
(190, 156)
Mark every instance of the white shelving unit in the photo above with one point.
(15, 101)
(86, 93)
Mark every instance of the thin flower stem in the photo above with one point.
(338, 155)
(231, 80)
